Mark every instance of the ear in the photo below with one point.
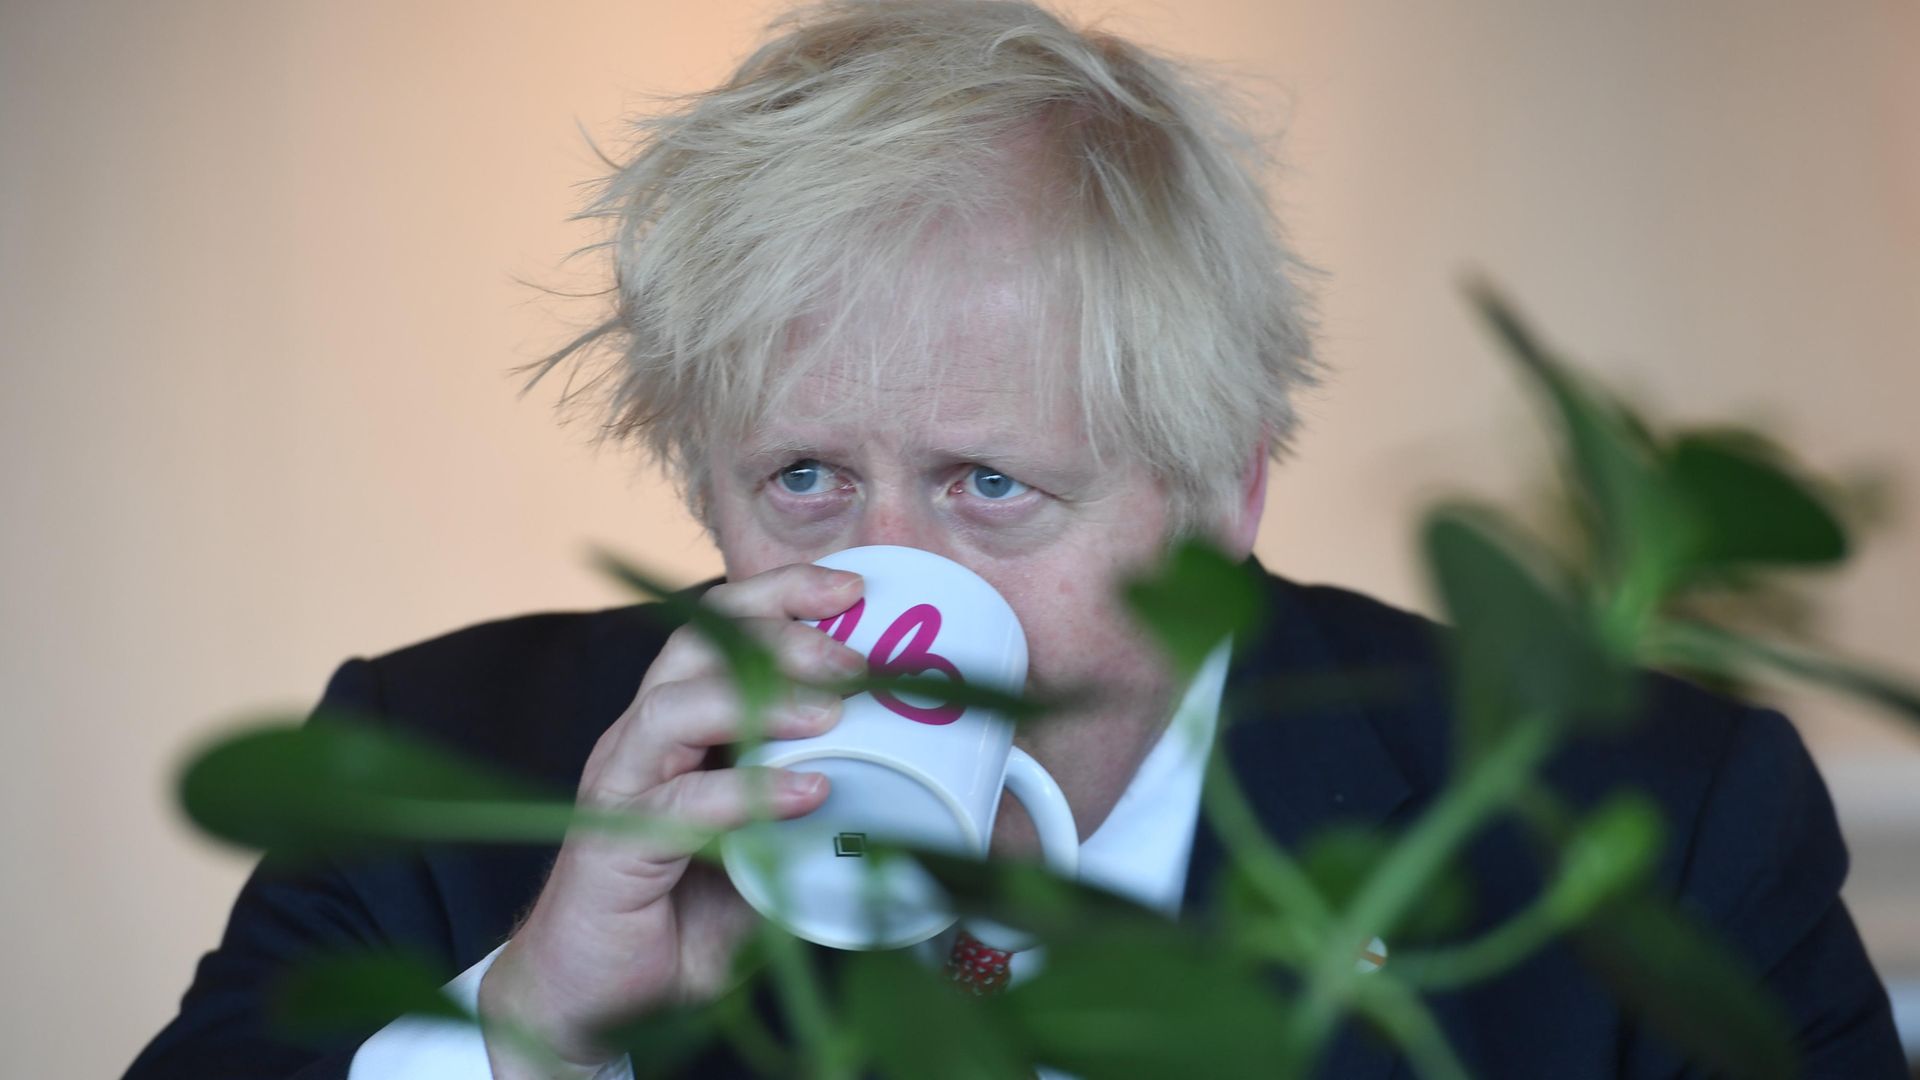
(1243, 521)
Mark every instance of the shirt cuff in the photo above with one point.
(434, 1048)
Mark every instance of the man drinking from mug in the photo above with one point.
(956, 276)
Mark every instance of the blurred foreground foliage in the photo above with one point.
(1542, 649)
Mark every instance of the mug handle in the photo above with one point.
(1059, 840)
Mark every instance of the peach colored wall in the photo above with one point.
(257, 305)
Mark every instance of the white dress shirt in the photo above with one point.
(1141, 852)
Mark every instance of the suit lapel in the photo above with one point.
(1302, 765)
(1304, 757)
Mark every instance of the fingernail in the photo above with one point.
(811, 706)
(847, 660)
(844, 580)
(801, 783)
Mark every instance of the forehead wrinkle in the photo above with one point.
(973, 392)
(978, 410)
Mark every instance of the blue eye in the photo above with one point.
(995, 485)
(804, 477)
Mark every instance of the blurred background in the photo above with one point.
(258, 300)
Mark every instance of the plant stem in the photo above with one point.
(1492, 952)
(1303, 911)
(1389, 1003)
(793, 977)
(1461, 810)
(744, 1029)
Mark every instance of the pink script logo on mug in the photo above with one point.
(919, 625)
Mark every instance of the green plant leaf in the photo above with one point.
(1023, 895)
(1340, 861)
(1136, 998)
(746, 1030)
(1193, 599)
(359, 992)
(755, 670)
(339, 783)
(1747, 508)
(915, 1023)
(1520, 647)
(1638, 526)
(663, 1040)
(1690, 988)
(1611, 850)
(1708, 648)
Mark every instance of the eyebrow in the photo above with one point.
(766, 453)
(761, 456)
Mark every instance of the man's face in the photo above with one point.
(974, 470)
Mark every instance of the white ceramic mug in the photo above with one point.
(909, 771)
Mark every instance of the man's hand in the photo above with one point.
(623, 925)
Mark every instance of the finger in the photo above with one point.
(677, 722)
(688, 653)
(796, 591)
(670, 724)
(806, 653)
(756, 604)
(721, 800)
(801, 650)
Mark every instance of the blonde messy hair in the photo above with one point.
(750, 223)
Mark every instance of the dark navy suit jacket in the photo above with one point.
(1753, 848)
